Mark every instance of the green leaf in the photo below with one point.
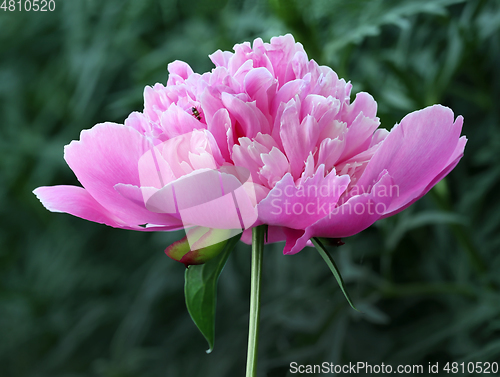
(200, 290)
(408, 223)
(333, 267)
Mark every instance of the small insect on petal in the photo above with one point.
(196, 113)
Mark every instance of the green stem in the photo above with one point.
(253, 330)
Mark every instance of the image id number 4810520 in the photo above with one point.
(28, 5)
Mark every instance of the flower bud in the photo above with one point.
(200, 245)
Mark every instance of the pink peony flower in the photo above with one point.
(318, 164)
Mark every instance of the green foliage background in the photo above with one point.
(83, 299)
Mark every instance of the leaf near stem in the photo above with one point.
(200, 291)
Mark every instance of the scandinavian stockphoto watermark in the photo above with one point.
(186, 179)
(330, 200)
(195, 192)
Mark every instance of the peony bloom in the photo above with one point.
(318, 164)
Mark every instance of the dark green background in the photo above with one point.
(83, 299)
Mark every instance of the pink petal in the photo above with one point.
(77, 202)
(331, 128)
(329, 152)
(286, 93)
(274, 234)
(239, 57)
(325, 82)
(291, 238)
(207, 198)
(180, 68)
(415, 152)
(300, 64)
(221, 58)
(154, 171)
(357, 214)
(319, 106)
(248, 155)
(104, 156)
(141, 123)
(452, 162)
(365, 103)
(259, 57)
(176, 121)
(140, 196)
(379, 136)
(280, 52)
(242, 72)
(257, 84)
(210, 103)
(275, 166)
(359, 135)
(308, 170)
(266, 140)
(300, 206)
(218, 127)
(155, 102)
(292, 132)
(247, 115)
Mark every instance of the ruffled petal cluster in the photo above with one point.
(318, 162)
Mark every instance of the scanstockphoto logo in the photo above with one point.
(203, 198)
